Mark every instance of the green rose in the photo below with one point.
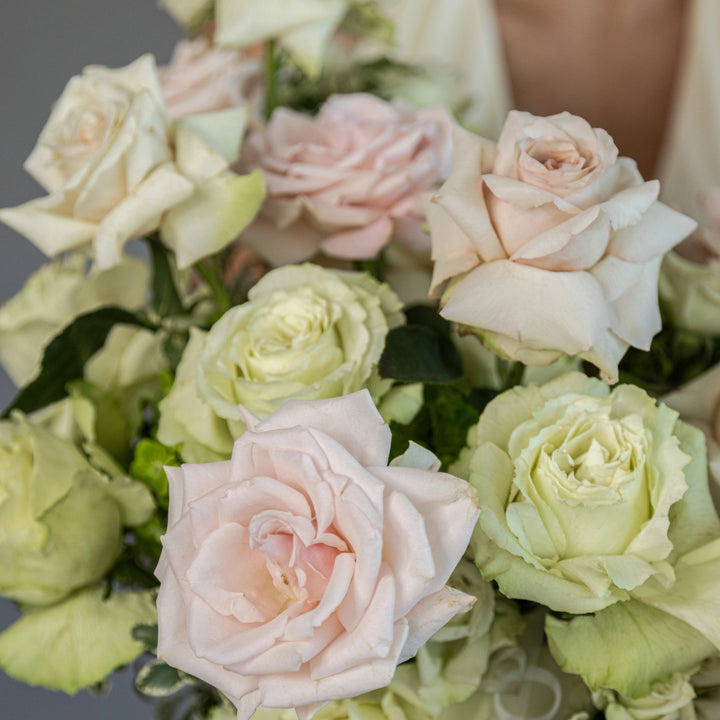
(597, 502)
(55, 295)
(60, 520)
(576, 486)
(670, 700)
(305, 333)
(691, 292)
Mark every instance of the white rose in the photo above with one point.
(548, 243)
(115, 169)
(690, 276)
(302, 27)
(305, 333)
(190, 13)
(53, 297)
(670, 700)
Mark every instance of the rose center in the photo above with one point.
(581, 475)
(299, 565)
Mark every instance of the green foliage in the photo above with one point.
(366, 20)
(422, 350)
(443, 421)
(147, 634)
(158, 679)
(148, 467)
(305, 94)
(166, 299)
(65, 357)
(676, 356)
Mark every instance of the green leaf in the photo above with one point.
(158, 679)
(147, 634)
(166, 299)
(415, 353)
(627, 647)
(65, 357)
(442, 423)
(366, 20)
(75, 643)
(148, 467)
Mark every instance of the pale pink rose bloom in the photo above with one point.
(549, 243)
(348, 180)
(306, 568)
(202, 77)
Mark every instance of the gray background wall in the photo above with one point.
(42, 44)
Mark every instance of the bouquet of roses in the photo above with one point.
(386, 422)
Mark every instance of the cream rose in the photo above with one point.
(55, 295)
(670, 700)
(548, 243)
(116, 169)
(189, 13)
(305, 569)
(577, 486)
(690, 276)
(598, 502)
(305, 333)
(60, 520)
(347, 181)
(698, 403)
(302, 27)
(202, 77)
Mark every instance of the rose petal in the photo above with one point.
(548, 320)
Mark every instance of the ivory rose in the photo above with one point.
(60, 520)
(698, 403)
(598, 502)
(347, 181)
(549, 243)
(302, 27)
(54, 296)
(115, 168)
(305, 333)
(304, 569)
(190, 13)
(690, 276)
(202, 77)
(670, 700)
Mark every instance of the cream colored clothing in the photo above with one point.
(465, 34)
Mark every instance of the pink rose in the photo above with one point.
(305, 568)
(348, 180)
(549, 243)
(203, 78)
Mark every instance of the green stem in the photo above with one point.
(271, 78)
(375, 267)
(511, 373)
(212, 278)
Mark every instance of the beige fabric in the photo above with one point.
(464, 34)
(691, 159)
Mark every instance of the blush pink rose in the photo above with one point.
(549, 243)
(305, 568)
(348, 180)
(202, 77)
